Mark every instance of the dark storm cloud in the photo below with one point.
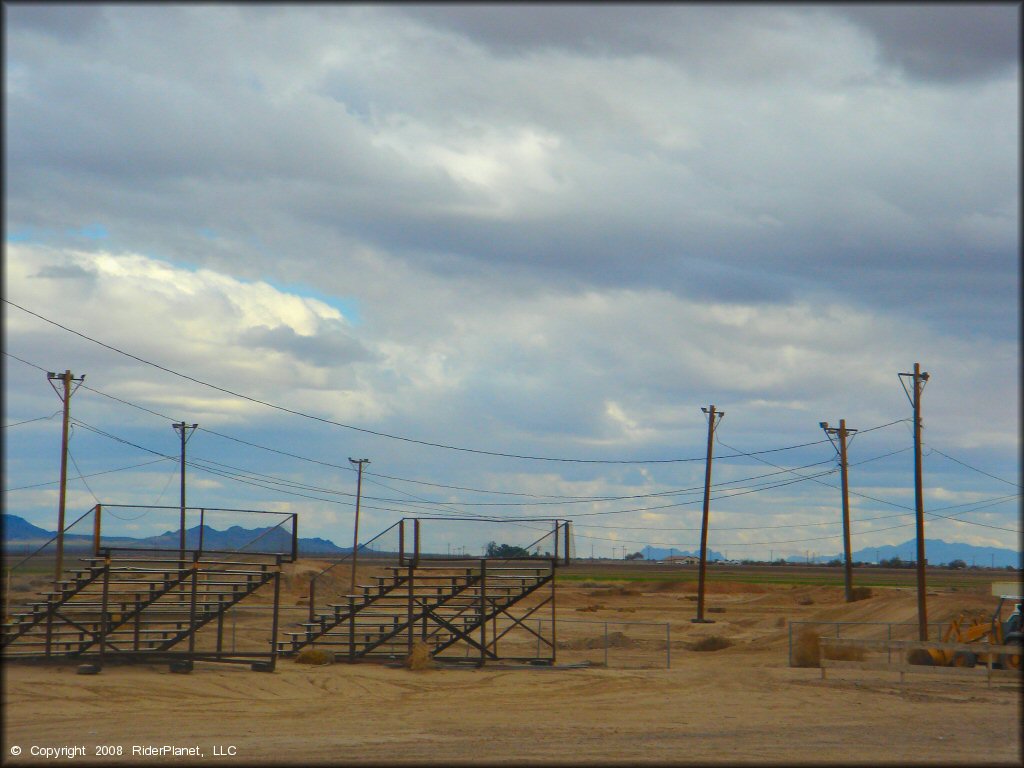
(330, 347)
(774, 185)
(622, 29)
(944, 42)
(61, 21)
(66, 272)
(929, 40)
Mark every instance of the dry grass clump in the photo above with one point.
(710, 643)
(806, 600)
(419, 657)
(314, 656)
(716, 609)
(590, 608)
(807, 649)
(860, 593)
(780, 622)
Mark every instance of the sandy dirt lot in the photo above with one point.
(736, 705)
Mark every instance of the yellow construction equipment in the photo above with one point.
(975, 629)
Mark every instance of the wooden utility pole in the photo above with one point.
(64, 394)
(712, 417)
(355, 537)
(183, 429)
(919, 379)
(842, 433)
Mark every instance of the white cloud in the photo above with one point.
(565, 231)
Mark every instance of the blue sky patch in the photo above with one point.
(92, 231)
(348, 306)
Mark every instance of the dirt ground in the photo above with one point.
(741, 704)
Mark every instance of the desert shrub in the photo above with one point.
(807, 649)
(860, 593)
(315, 656)
(780, 622)
(419, 657)
(716, 609)
(710, 643)
(805, 600)
(590, 608)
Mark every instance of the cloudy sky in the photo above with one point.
(508, 253)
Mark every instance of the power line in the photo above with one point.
(92, 474)
(275, 483)
(738, 453)
(279, 481)
(570, 499)
(29, 421)
(975, 469)
(323, 420)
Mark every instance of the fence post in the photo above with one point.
(273, 619)
(416, 540)
(202, 525)
(220, 633)
(192, 605)
(401, 542)
(483, 611)
(351, 627)
(409, 627)
(104, 607)
(96, 531)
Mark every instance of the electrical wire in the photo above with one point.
(480, 490)
(376, 433)
(29, 421)
(92, 474)
(568, 499)
(975, 469)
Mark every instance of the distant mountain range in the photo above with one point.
(937, 551)
(18, 533)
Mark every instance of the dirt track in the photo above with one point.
(740, 704)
